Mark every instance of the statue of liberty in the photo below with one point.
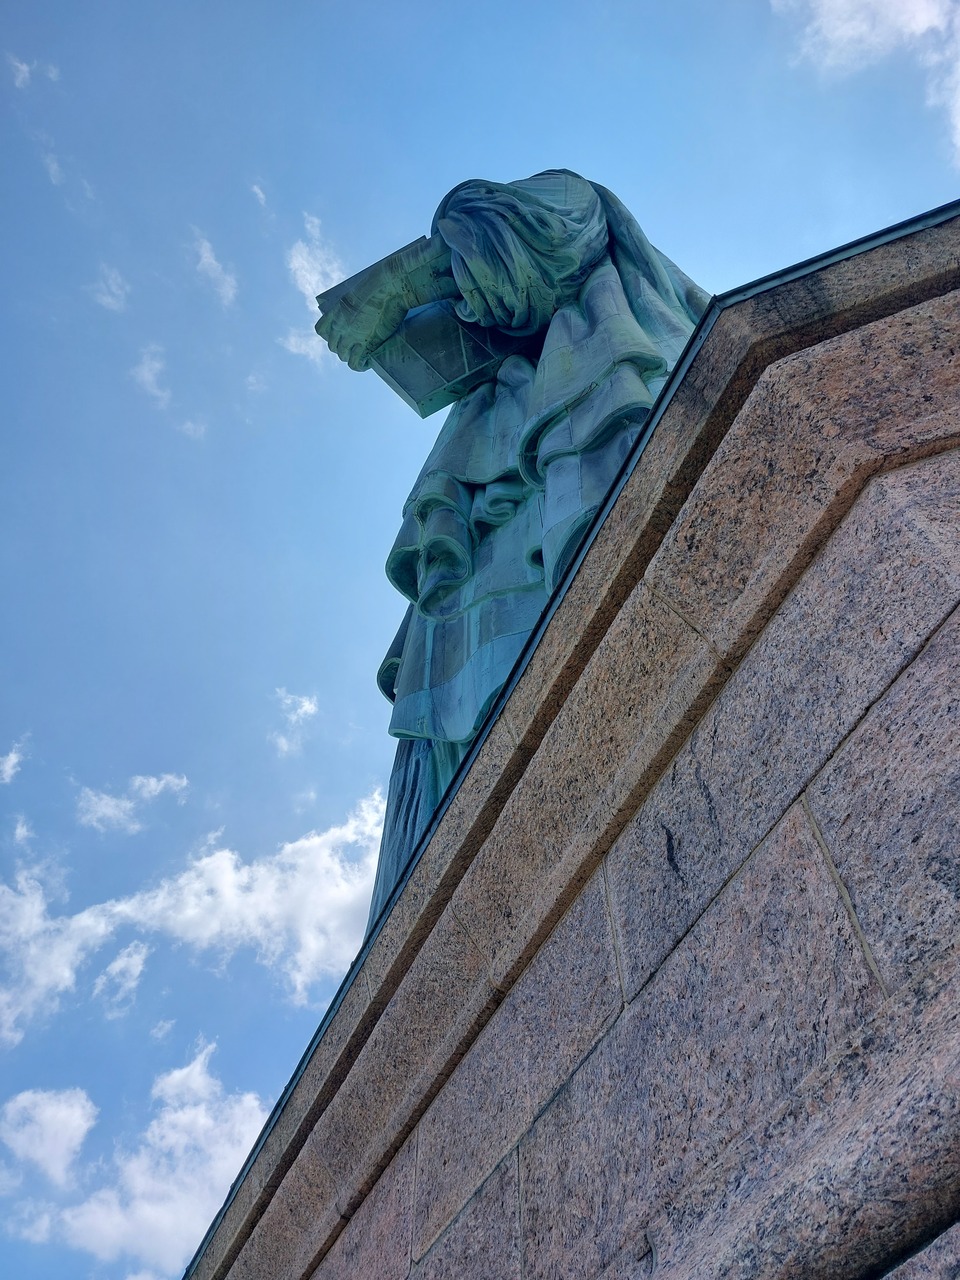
(540, 309)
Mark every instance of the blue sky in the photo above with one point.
(197, 501)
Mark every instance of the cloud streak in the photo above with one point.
(23, 71)
(148, 372)
(224, 282)
(111, 290)
(313, 265)
(104, 812)
(297, 712)
(118, 983)
(11, 762)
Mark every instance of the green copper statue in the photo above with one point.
(542, 312)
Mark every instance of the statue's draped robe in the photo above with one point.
(522, 464)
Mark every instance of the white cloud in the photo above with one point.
(223, 281)
(31, 1220)
(10, 1179)
(52, 166)
(40, 955)
(161, 1195)
(254, 382)
(302, 910)
(47, 1127)
(305, 799)
(193, 429)
(147, 373)
(104, 812)
(146, 787)
(118, 982)
(21, 71)
(302, 342)
(313, 264)
(22, 831)
(11, 762)
(847, 34)
(111, 289)
(854, 32)
(152, 1203)
(162, 1029)
(297, 710)
(258, 192)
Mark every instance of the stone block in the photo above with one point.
(626, 716)
(543, 1029)
(758, 994)
(459, 835)
(873, 1171)
(888, 807)
(816, 426)
(938, 1261)
(422, 1032)
(298, 1224)
(864, 608)
(376, 1240)
(483, 1241)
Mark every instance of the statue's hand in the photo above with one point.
(377, 300)
(362, 320)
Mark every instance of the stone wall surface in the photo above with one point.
(672, 990)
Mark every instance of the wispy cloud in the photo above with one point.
(11, 762)
(54, 171)
(111, 290)
(193, 428)
(313, 263)
(302, 910)
(105, 812)
(259, 193)
(151, 1204)
(47, 1127)
(314, 266)
(847, 34)
(223, 281)
(147, 787)
(22, 831)
(148, 372)
(21, 71)
(303, 342)
(161, 1029)
(118, 983)
(297, 712)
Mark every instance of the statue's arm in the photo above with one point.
(373, 307)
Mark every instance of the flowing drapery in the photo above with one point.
(522, 464)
